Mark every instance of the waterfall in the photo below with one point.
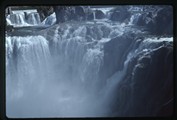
(134, 18)
(25, 57)
(82, 69)
(94, 17)
(50, 20)
(16, 19)
(69, 60)
(33, 18)
(22, 19)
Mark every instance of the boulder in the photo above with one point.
(120, 14)
(90, 16)
(99, 14)
(80, 13)
(44, 11)
(60, 12)
(66, 13)
(159, 21)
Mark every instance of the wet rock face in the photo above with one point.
(80, 13)
(164, 21)
(60, 12)
(90, 15)
(152, 78)
(150, 85)
(65, 13)
(120, 14)
(99, 14)
(118, 49)
(147, 87)
(45, 11)
(159, 21)
(76, 13)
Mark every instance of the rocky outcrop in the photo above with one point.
(60, 13)
(65, 13)
(77, 13)
(90, 15)
(44, 11)
(158, 20)
(153, 83)
(147, 87)
(120, 14)
(116, 48)
(99, 14)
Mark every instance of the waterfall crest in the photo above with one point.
(22, 19)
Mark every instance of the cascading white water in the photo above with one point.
(58, 74)
(94, 17)
(50, 20)
(20, 19)
(68, 73)
(25, 57)
(33, 18)
(134, 18)
(16, 19)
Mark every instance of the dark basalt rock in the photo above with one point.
(159, 21)
(90, 16)
(106, 31)
(80, 13)
(164, 21)
(44, 11)
(120, 14)
(97, 32)
(90, 32)
(99, 14)
(65, 13)
(152, 83)
(147, 87)
(60, 12)
(89, 38)
(9, 28)
(117, 48)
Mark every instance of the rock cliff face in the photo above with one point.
(117, 48)
(147, 87)
(45, 11)
(99, 14)
(152, 78)
(120, 14)
(158, 20)
(66, 13)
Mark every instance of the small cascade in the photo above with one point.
(94, 16)
(33, 18)
(50, 20)
(134, 18)
(16, 19)
(23, 19)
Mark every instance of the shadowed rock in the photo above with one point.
(99, 14)
(120, 14)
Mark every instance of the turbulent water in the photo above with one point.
(20, 19)
(65, 70)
